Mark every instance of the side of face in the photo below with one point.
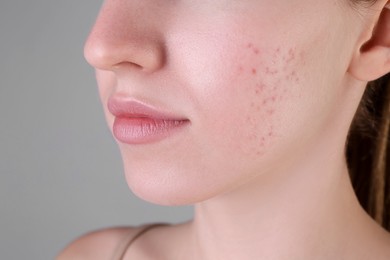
(261, 82)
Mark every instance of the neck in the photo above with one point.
(301, 213)
(305, 209)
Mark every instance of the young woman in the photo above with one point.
(244, 109)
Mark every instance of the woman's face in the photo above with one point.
(236, 88)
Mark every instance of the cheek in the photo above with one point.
(252, 101)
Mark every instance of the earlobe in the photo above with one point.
(373, 59)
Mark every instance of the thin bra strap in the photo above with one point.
(130, 239)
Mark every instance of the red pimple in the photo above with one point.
(254, 49)
(291, 55)
(268, 70)
(254, 71)
(259, 88)
(270, 111)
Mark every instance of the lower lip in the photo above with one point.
(145, 130)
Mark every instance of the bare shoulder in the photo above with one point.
(96, 245)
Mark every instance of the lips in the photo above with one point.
(139, 123)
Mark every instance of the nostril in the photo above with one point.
(128, 65)
(118, 40)
(105, 53)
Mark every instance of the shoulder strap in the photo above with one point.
(130, 239)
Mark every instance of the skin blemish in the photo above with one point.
(271, 77)
(262, 141)
(270, 71)
(290, 55)
(292, 77)
(259, 88)
(254, 49)
(270, 112)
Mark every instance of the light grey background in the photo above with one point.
(60, 170)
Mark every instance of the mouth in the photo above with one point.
(139, 123)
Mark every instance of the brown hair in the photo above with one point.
(368, 146)
(368, 151)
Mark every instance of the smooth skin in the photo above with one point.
(270, 88)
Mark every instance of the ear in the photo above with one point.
(373, 59)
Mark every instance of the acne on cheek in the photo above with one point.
(273, 73)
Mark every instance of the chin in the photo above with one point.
(166, 187)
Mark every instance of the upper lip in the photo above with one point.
(136, 109)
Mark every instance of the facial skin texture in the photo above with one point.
(266, 88)
(258, 81)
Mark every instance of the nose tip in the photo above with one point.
(105, 55)
(118, 39)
